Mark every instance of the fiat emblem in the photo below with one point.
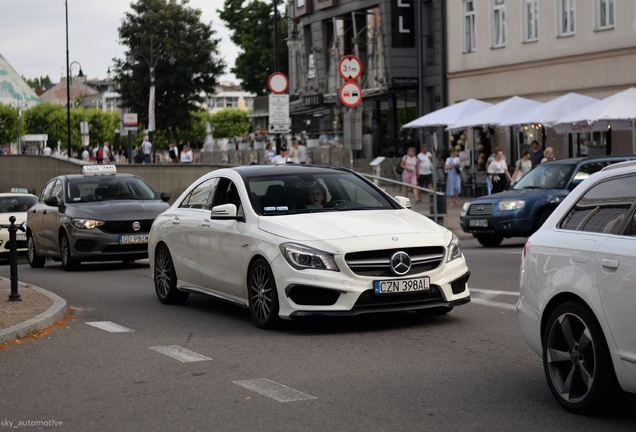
(400, 263)
(136, 226)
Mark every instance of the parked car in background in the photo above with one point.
(98, 215)
(16, 203)
(577, 303)
(291, 241)
(522, 210)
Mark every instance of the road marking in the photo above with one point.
(179, 353)
(109, 326)
(272, 389)
(485, 296)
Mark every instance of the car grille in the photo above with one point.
(378, 263)
(368, 299)
(125, 227)
(480, 210)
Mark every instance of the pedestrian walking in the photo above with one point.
(146, 149)
(452, 167)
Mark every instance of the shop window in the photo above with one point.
(499, 23)
(530, 20)
(470, 44)
(566, 18)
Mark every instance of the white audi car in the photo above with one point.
(292, 241)
(577, 304)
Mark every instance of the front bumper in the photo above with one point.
(97, 245)
(507, 224)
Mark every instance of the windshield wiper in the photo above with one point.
(532, 187)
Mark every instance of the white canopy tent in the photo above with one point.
(450, 114)
(617, 111)
(496, 114)
(551, 112)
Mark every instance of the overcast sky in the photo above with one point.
(33, 35)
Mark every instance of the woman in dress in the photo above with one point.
(411, 166)
(269, 153)
(497, 173)
(452, 167)
(294, 152)
(523, 166)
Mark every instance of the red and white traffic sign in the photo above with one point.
(278, 83)
(350, 94)
(350, 67)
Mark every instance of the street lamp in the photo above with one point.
(152, 63)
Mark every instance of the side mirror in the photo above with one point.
(52, 201)
(165, 196)
(403, 201)
(224, 211)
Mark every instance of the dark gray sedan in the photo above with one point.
(99, 215)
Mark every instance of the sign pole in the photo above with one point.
(351, 135)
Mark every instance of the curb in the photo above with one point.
(53, 314)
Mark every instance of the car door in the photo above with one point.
(221, 246)
(183, 236)
(35, 219)
(616, 267)
(51, 220)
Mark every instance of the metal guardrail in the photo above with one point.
(375, 177)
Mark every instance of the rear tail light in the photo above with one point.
(526, 247)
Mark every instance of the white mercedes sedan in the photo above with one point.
(291, 241)
(577, 302)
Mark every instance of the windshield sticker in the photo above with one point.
(270, 209)
(284, 208)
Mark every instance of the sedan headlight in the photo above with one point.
(86, 223)
(466, 206)
(303, 257)
(511, 205)
(453, 249)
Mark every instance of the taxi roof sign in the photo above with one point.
(99, 169)
(19, 190)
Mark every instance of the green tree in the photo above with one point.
(252, 26)
(40, 119)
(175, 29)
(38, 83)
(8, 124)
(229, 122)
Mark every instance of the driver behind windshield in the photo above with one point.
(114, 191)
(316, 197)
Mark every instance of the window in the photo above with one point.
(499, 23)
(566, 18)
(198, 198)
(604, 208)
(530, 20)
(46, 192)
(606, 14)
(470, 44)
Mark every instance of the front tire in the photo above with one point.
(262, 295)
(68, 263)
(577, 362)
(165, 278)
(35, 261)
(490, 240)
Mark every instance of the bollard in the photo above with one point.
(13, 259)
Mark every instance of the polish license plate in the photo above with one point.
(133, 239)
(402, 285)
(478, 223)
(20, 237)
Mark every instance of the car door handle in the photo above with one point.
(610, 263)
(175, 221)
(205, 223)
(43, 211)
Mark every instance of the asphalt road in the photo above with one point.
(205, 366)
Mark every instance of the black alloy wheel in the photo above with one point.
(165, 278)
(577, 363)
(262, 295)
(68, 263)
(35, 261)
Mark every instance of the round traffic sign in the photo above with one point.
(350, 67)
(350, 94)
(278, 83)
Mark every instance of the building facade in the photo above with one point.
(400, 44)
(542, 49)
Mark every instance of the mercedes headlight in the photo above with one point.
(303, 257)
(511, 205)
(86, 223)
(453, 249)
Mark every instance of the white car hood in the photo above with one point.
(347, 224)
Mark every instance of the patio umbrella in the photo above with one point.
(551, 112)
(449, 115)
(618, 111)
(496, 114)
